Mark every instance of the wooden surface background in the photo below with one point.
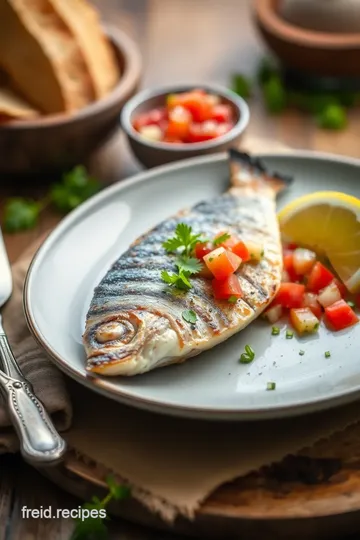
(181, 41)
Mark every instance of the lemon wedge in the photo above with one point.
(327, 222)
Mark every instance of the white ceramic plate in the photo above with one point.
(213, 385)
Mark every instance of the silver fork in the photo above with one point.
(40, 444)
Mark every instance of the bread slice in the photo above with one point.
(13, 107)
(84, 23)
(42, 57)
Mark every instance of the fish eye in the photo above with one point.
(123, 331)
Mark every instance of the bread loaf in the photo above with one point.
(83, 21)
(39, 52)
(13, 107)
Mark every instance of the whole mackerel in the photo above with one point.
(135, 323)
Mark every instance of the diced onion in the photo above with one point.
(273, 314)
(303, 260)
(153, 133)
(256, 251)
(329, 295)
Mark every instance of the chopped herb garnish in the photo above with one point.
(188, 264)
(211, 259)
(301, 353)
(248, 356)
(232, 299)
(221, 239)
(327, 354)
(351, 303)
(262, 253)
(271, 386)
(184, 239)
(189, 316)
(275, 331)
(316, 326)
(179, 280)
(289, 334)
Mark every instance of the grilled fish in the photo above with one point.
(135, 324)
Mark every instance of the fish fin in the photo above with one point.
(246, 169)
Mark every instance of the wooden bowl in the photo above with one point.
(58, 142)
(321, 53)
(153, 153)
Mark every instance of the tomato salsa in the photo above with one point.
(187, 117)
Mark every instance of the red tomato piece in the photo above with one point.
(241, 251)
(310, 301)
(154, 116)
(196, 102)
(291, 246)
(319, 278)
(202, 132)
(202, 249)
(340, 315)
(290, 295)
(179, 123)
(225, 288)
(222, 113)
(222, 263)
(288, 260)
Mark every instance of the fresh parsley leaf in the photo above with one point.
(241, 85)
(20, 214)
(233, 299)
(189, 316)
(222, 238)
(274, 94)
(184, 238)
(75, 187)
(118, 491)
(188, 264)
(179, 280)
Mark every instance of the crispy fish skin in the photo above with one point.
(134, 323)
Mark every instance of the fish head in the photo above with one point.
(129, 343)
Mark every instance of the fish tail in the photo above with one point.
(246, 170)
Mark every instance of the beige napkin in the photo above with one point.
(171, 464)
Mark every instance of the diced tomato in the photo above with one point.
(241, 251)
(203, 132)
(202, 249)
(175, 140)
(291, 246)
(225, 288)
(273, 313)
(303, 320)
(303, 260)
(288, 261)
(227, 244)
(222, 263)
(329, 295)
(154, 116)
(310, 301)
(179, 123)
(285, 276)
(340, 315)
(222, 113)
(343, 290)
(319, 278)
(195, 102)
(290, 295)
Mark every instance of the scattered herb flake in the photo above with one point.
(271, 386)
(248, 356)
(301, 353)
(222, 238)
(289, 334)
(351, 303)
(275, 331)
(233, 299)
(189, 316)
(327, 354)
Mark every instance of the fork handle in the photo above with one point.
(40, 444)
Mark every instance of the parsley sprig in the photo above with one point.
(94, 528)
(75, 187)
(182, 243)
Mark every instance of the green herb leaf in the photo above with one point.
(222, 238)
(117, 491)
(274, 94)
(351, 303)
(75, 188)
(266, 70)
(180, 280)
(289, 334)
(189, 316)
(332, 117)
(184, 238)
(233, 299)
(327, 354)
(275, 331)
(20, 214)
(248, 356)
(271, 386)
(241, 85)
(189, 264)
(301, 353)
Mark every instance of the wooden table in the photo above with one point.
(181, 41)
